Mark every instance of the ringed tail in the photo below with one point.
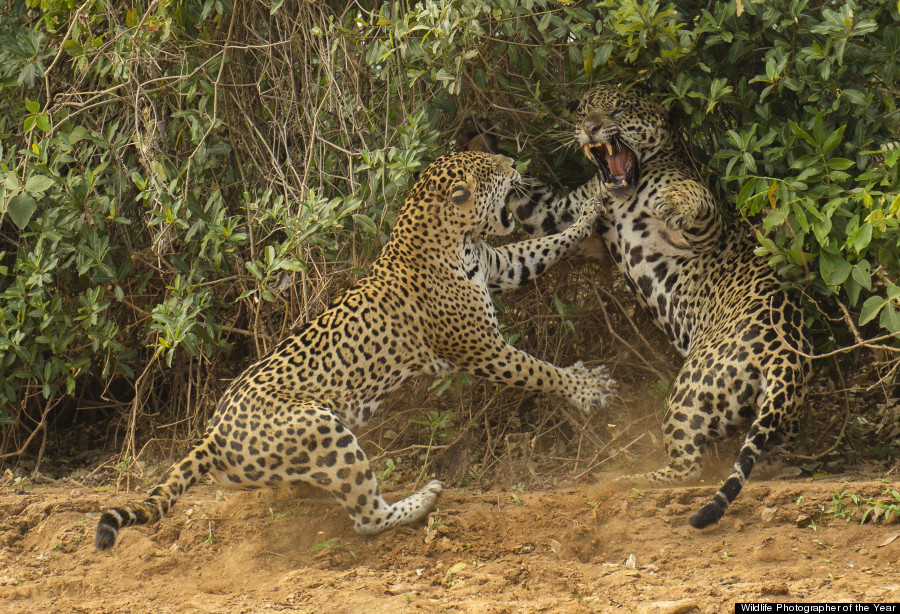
(181, 476)
(763, 434)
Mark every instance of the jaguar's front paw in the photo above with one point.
(591, 210)
(679, 204)
(592, 387)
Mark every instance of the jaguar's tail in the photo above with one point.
(776, 423)
(181, 476)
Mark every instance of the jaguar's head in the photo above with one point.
(470, 191)
(618, 131)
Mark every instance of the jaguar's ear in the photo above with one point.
(460, 194)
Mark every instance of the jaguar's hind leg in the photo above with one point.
(683, 464)
(330, 456)
(704, 406)
(676, 471)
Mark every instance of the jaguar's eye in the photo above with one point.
(460, 195)
(616, 113)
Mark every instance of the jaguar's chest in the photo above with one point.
(470, 263)
(643, 246)
(659, 265)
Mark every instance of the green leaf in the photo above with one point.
(854, 96)
(37, 184)
(853, 289)
(43, 122)
(365, 222)
(834, 269)
(587, 55)
(290, 264)
(862, 274)
(893, 292)
(840, 164)
(253, 267)
(78, 133)
(21, 208)
(870, 309)
(800, 216)
(11, 181)
(798, 131)
(73, 48)
(890, 319)
(863, 237)
(833, 140)
(819, 129)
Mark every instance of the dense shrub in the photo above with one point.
(184, 176)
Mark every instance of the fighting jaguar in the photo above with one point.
(743, 335)
(425, 307)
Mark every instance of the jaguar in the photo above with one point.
(742, 334)
(424, 308)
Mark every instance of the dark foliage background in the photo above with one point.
(182, 182)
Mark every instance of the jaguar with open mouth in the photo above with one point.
(617, 163)
(743, 335)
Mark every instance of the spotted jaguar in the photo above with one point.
(425, 308)
(742, 334)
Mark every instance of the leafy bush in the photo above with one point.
(186, 176)
(177, 181)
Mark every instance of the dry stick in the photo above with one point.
(634, 327)
(848, 320)
(191, 387)
(846, 421)
(74, 20)
(41, 426)
(215, 110)
(585, 431)
(108, 463)
(313, 126)
(578, 451)
(608, 458)
(131, 442)
(865, 344)
(263, 141)
(890, 373)
(487, 463)
(383, 451)
(661, 376)
(489, 448)
(256, 340)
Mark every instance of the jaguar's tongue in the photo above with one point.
(619, 162)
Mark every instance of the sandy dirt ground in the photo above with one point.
(587, 548)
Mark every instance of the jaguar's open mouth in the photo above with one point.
(617, 163)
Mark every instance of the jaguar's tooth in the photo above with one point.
(609, 186)
(624, 183)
